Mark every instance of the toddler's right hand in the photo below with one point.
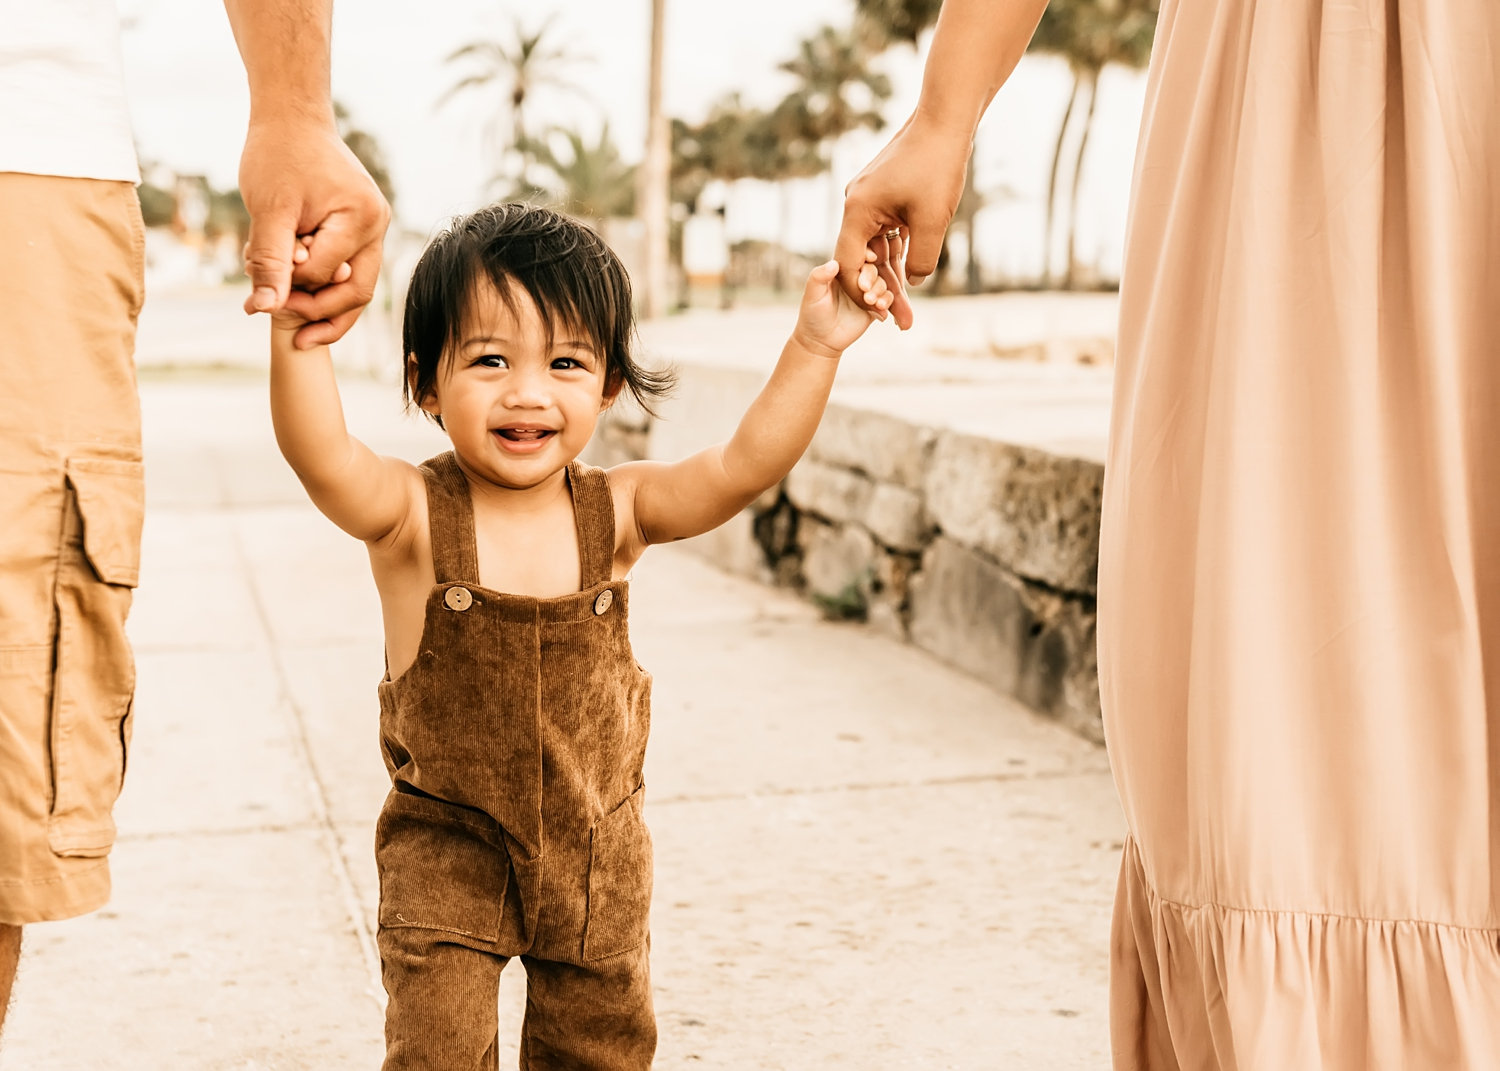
(829, 321)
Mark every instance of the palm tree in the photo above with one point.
(528, 62)
(655, 175)
(587, 179)
(836, 90)
(367, 150)
(836, 93)
(1089, 35)
(882, 23)
(738, 142)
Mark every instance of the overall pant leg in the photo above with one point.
(442, 1010)
(597, 1016)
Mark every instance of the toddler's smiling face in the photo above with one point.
(518, 395)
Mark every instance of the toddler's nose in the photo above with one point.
(527, 392)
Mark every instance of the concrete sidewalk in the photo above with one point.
(864, 859)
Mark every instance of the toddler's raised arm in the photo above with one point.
(366, 495)
(689, 497)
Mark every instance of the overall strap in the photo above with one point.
(450, 521)
(595, 509)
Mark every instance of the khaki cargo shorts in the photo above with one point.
(71, 505)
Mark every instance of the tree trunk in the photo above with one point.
(1057, 151)
(970, 205)
(655, 178)
(783, 227)
(1092, 77)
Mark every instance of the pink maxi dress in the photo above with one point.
(1299, 587)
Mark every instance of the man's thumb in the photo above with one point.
(268, 259)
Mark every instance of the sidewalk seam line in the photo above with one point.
(322, 814)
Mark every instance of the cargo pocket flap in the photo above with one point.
(442, 867)
(111, 498)
(619, 908)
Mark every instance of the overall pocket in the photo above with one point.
(619, 908)
(442, 867)
(94, 673)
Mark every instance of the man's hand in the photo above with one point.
(912, 186)
(298, 178)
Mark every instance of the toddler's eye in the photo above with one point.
(563, 364)
(491, 360)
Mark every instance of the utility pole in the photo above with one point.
(655, 178)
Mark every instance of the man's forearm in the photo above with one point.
(975, 47)
(285, 47)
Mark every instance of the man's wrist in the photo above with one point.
(295, 114)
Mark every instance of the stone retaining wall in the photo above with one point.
(978, 551)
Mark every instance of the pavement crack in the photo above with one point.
(263, 829)
(999, 777)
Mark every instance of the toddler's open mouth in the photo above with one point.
(522, 438)
(524, 434)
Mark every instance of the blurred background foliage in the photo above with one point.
(834, 86)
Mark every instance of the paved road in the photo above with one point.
(864, 859)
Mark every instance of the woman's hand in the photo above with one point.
(913, 188)
(829, 321)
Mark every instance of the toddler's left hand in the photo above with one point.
(300, 252)
(828, 321)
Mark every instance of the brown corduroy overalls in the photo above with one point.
(513, 828)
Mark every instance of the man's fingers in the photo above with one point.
(268, 259)
(338, 239)
(325, 332)
(339, 297)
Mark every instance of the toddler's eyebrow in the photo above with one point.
(565, 344)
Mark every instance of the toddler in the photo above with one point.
(513, 717)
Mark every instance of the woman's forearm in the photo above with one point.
(975, 47)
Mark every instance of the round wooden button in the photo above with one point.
(604, 601)
(458, 599)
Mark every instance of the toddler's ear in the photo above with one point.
(427, 403)
(611, 394)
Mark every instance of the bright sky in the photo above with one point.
(189, 102)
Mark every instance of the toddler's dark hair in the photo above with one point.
(574, 278)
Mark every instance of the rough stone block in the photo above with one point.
(890, 588)
(615, 442)
(886, 620)
(897, 517)
(733, 547)
(1024, 640)
(882, 447)
(1033, 512)
(705, 409)
(837, 561)
(836, 494)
